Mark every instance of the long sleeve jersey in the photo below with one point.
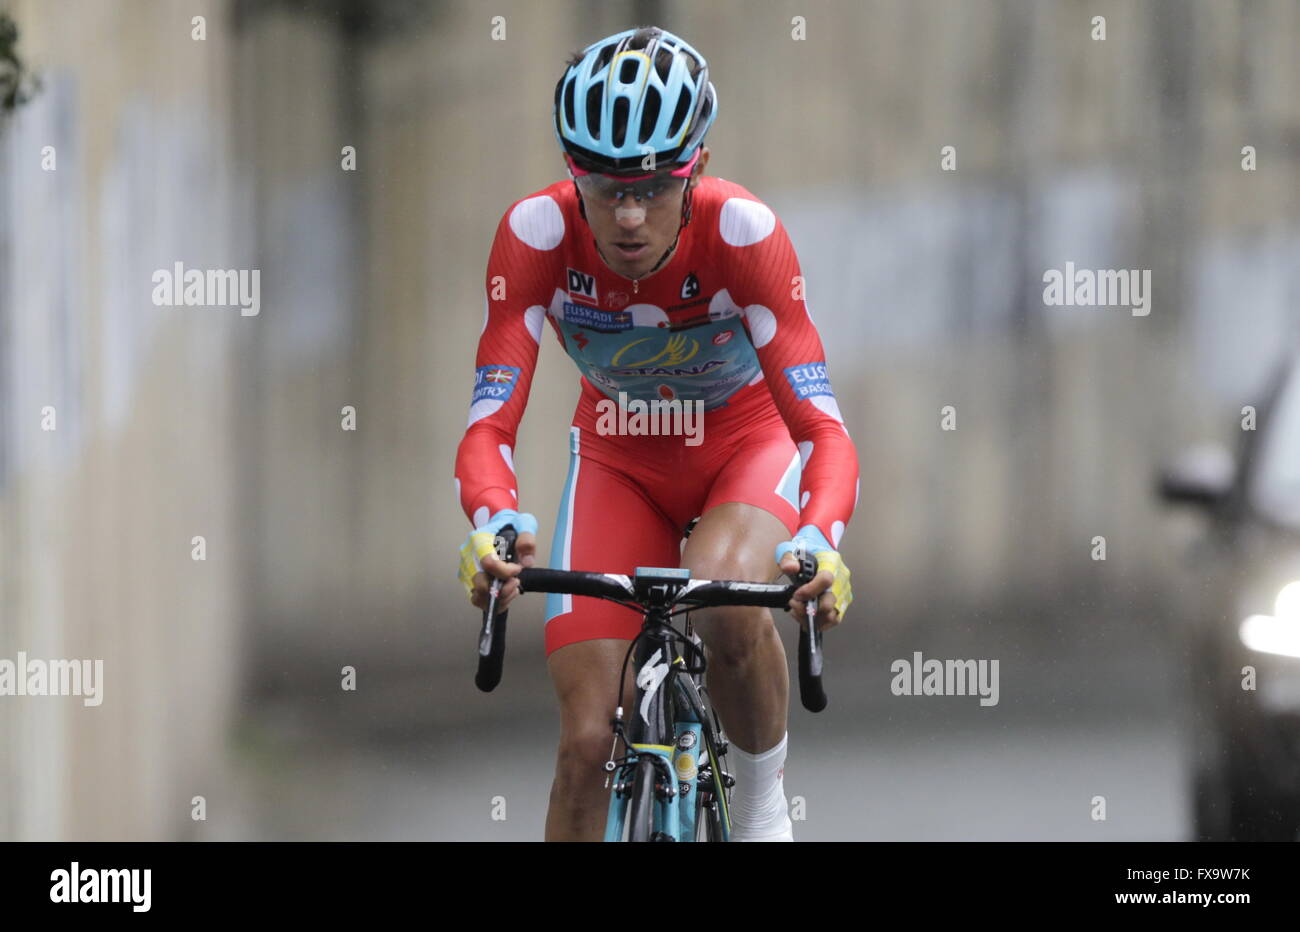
(723, 322)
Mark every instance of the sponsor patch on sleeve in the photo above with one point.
(494, 383)
(809, 379)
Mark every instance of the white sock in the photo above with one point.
(758, 805)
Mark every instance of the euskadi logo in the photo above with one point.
(595, 318)
(1102, 288)
(494, 383)
(80, 884)
(809, 379)
(582, 285)
(179, 286)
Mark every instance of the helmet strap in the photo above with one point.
(582, 207)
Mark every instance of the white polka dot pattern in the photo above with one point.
(827, 404)
(743, 222)
(721, 306)
(538, 222)
(647, 315)
(533, 318)
(481, 409)
(762, 324)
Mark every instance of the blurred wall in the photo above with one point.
(97, 515)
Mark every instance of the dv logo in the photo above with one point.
(690, 286)
(582, 285)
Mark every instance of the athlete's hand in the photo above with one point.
(478, 558)
(829, 590)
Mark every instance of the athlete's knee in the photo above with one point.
(734, 635)
(582, 754)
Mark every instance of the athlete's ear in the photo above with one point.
(698, 173)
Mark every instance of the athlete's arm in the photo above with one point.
(507, 355)
(517, 278)
(771, 291)
(794, 367)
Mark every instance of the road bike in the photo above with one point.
(669, 784)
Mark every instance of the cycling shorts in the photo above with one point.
(628, 499)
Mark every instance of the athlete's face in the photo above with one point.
(632, 235)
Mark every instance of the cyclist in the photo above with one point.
(661, 284)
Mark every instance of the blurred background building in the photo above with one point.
(328, 548)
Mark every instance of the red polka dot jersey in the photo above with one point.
(723, 324)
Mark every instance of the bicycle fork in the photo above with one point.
(657, 715)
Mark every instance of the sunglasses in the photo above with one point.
(652, 189)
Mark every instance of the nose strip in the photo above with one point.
(629, 213)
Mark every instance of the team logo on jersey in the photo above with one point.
(690, 286)
(723, 337)
(678, 348)
(635, 359)
(494, 383)
(809, 379)
(582, 285)
(616, 299)
(595, 318)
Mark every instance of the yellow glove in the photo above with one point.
(828, 560)
(482, 542)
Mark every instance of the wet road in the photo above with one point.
(874, 766)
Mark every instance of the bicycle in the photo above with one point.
(662, 791)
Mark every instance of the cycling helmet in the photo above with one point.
(640, 91)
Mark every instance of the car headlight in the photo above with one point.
(1278, 633)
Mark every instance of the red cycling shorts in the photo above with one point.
(628, 499)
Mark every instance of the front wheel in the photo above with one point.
(641, 811)
(708, 822)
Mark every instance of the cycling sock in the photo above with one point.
(758, 804)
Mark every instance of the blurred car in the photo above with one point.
(1245, 637)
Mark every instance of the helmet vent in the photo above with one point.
(593, 109)
(627, 71)
(679, 115)
(569, 114)
(620, 122)
(663, 62)
(650, 113)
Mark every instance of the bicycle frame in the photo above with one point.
(667, 706)
(672, 728)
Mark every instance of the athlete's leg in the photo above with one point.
(606, 524)
(747, 674)
(750, 508)
(586, 677)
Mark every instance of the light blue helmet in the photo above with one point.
(637, 92)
